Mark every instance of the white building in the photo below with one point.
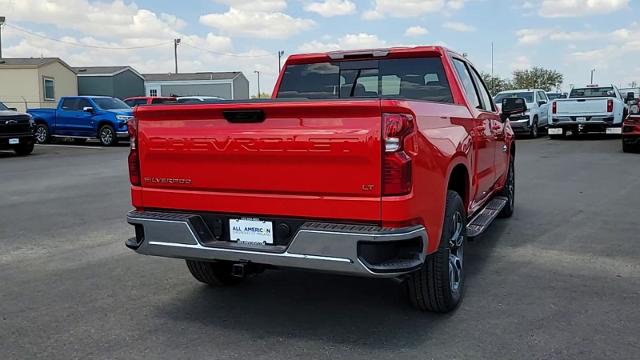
(226, 85)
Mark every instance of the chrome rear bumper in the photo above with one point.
(335, 248)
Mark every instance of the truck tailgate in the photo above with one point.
(313, 159)
(582, 106)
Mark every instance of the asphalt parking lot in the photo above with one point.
(561, 279)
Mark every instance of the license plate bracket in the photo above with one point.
(555, 131)
(581, 118)
(251, 231)
(614, 130)
(15, 141)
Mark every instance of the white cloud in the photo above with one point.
(577, 8)
(347, 42)
(329, 8)
(255, 5)
(266, 25)
(455, 4)
(531, 36)
(403, 9)
(101, 19)
(416, 31)
(521, 63)
(458, 26)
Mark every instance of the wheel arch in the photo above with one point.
(459, 182)
(102, 123)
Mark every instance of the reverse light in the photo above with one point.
(610, 105)
(134, 158)
(397, 164)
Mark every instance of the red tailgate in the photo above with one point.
(305, 159)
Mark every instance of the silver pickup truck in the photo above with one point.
(588, 109)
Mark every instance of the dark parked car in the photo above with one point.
(16, 131)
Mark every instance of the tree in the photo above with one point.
(262, 96)
(633, 84)
(537, 78)
(496, 84)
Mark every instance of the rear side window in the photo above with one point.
(467, 83)
(69, 104)
(411, 79)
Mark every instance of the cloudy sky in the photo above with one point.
(571, 36)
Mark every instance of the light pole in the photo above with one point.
(258, 72)
(176, 42)
(2, 21)
(592, 71)
(280, 54)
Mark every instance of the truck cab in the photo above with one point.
(82, 118)
(536, 118)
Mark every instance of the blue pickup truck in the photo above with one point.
(82, 118)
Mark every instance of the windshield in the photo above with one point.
(593, 92)
(415, 79)
(111, 104)
(3, 107)
(527, 96)
(553, 96)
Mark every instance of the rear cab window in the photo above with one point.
(592, 92)
(421, 79)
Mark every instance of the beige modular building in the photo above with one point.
(27, 83)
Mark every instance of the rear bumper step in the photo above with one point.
(358, 250)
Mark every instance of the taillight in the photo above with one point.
(397, 164)
(554, 107)
(610, 105)
(134, 159)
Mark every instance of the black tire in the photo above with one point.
(431, 288)
(509, 191)
(214, 273)
(42, 134)
(533, 133)
(79, 141)
(107, 136)
(24, 149)
(630, 148)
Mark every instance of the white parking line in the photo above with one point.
(73, 146)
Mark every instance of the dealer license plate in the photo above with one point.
(581, 118)
(251, 231)
(14, 141)
(614, 130)
(556, 131)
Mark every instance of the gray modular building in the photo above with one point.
(226, 85)
(116, 81)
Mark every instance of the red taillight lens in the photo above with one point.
(610, 105)
(397, 164)
(554, 107)
(134, 159)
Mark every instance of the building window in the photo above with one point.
(153, 92)
(49, 89)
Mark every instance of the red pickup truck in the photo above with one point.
(376, 163)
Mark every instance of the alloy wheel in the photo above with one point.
(106, 136)
(41, 134)
(456, 253)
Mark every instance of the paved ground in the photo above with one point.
(559, 280)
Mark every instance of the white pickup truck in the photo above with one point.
(588, 109)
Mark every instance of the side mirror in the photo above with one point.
(512, 106)
(541, 102)
(631, 96)
(88, 109)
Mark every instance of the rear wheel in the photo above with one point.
(42, 134)
(509, 191)
(24, 149)
(629, 148)
(213, 273)
(438, 285)
(107, 135)
(533, 133)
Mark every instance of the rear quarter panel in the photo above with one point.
(442, 142)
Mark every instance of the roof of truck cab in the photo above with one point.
(390, 52)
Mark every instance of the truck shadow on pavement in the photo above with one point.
(283, 304)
